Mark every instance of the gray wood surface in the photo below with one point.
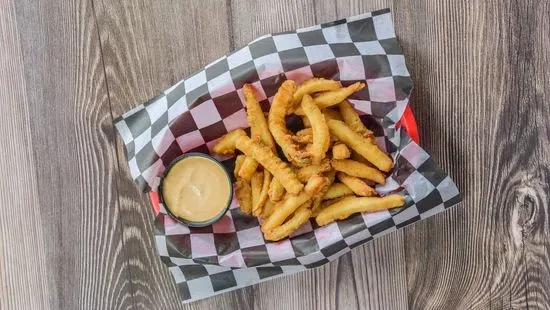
(76, 233)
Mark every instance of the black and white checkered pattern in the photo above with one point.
(192, 114)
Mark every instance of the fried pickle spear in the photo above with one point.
(328, 113)
(318, 197)
(248, 167)
(257, 208)
(357, 185)
(268, 208)
(330, 98)
(337, 190)
(255, 116)
(355, 156)
(332, 114)
(360, 170)
(271, 162)
(311, 86)
(256, 186)
(305, 132)
(299, 111)
(226, 145)
(350, 205)
(306, 122)
(303, 136)
(276, 190)
(360, 144)
(324, 204)
(243, 192)
(351, 118)
(293, 202)
(315, 185)
(284, 210)
(321, 135)
(277, 123)
(340, 151)
(238, 164)
(298, 219)
(307, 172)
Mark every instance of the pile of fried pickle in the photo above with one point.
(331, 165)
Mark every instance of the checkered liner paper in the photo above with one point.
(194, 113)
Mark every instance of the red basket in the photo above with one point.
(407, 121)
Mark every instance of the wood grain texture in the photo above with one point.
(65, 137)
(357, 280)
(147, 47)
(476, 100)
(482, 84)
(252, 19)
(533, 194)
(23, 280)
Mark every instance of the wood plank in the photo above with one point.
(251, 19)
(354, 280)
(64, 132)
(488, 257)
(379, 273)
(462, 59)
(23, 278)
(381, 280)
(471, 243)
(147, 47)
(531, 179)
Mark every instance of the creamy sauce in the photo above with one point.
(196, 189)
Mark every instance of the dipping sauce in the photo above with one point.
(196, 189)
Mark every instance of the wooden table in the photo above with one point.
(76, 233)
